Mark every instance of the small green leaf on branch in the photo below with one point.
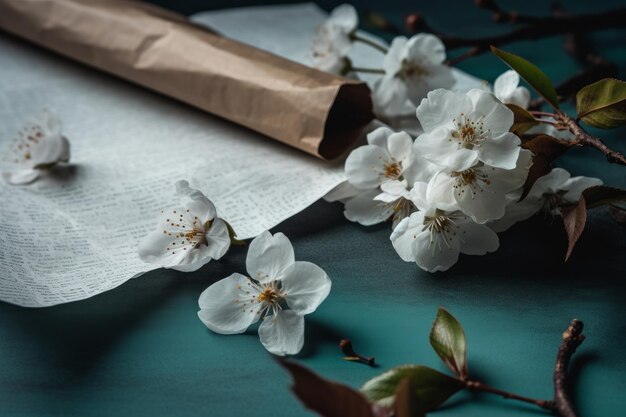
(431, 388)
(406, 404)
(537, 79)
(603, 104)
(522, 120)
(448, 339)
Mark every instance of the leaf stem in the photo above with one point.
(479, 386)
(368, 70)
(346, 347)
(585, 139)
(369, 42)
(542, 113)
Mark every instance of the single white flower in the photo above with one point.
(188, 235)
(382, 171)
(434, 236)
(276, 282)
(413, 67)
(480, 191)
(333, 40)
(38, 146)
(462, 129)
(506, 89)
(549, 192)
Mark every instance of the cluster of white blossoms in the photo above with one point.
(410, 68)
(448, 191)
(39, 146)
(279, 290)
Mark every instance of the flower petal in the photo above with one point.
(426, 48)
(345, 17)
(440, 107)
(342, 192)
(22, 177)
(155, 249)
(405, 233)
(305, 286)
(283, 333)
(501, 151)
(269, 257)
(365, 166)
(50, 150)
(480, 206)
(477, 239)
(436, 146)
(364, 210)
(379, 136)
(218, 239)
(498, 118)
(396, 53)
(226, 308)
(390, 97)
(505, 84)
(576, 185)
(400, 146)
(195, 201)
(436, 254)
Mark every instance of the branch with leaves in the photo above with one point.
(415, 390)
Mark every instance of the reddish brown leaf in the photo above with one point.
(575, 217)
(545, 149)
(522, 120)
(327, 398)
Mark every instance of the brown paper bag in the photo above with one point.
(316, 112)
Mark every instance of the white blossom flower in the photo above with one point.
(480, 191)
(188, 235)
(434, 236)
(506, 89)
(332, 41)
(461, 129)
(38, 146)
(276, 282)
(555, 189)
(382, 171)
(413, 67)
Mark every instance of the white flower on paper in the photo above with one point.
(413, 67)
(434, 236)
(279, 291)
(381, 171)
(332, 41)
(188, 235)
(547, 193)
(462, 129)
(480, 191)
(39, 146)
(506, 89)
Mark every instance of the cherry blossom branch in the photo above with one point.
(367, 70)
(560, 404)
(369, 42)
(585, 139)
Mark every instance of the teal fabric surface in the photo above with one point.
(140, 349)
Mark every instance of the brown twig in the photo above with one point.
(585, 139)
(351, 355)
(560, 405)
(572, 338)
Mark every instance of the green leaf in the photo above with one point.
(522, 120)
(233, 235)
(406, 404)
(603, 104)
(545, 149)
(575, 216)
(327, 398)
(431, 388)
(448, 339)
(531, 74)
